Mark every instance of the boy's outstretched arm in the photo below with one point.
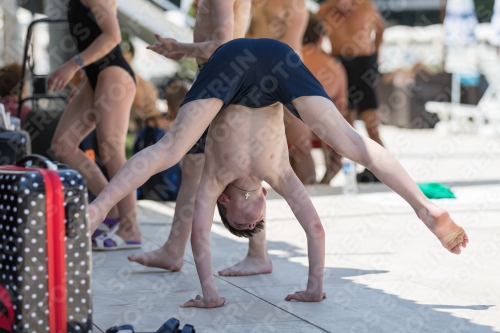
(223, 30)
(206, 198)
(293, 191)
(192, 120)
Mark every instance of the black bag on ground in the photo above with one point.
(41, 126)
(45, 253)
(14, 145)
(170, 326)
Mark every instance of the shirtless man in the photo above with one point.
(286, 20)
(355, 28)
(331, 74)
(217, 21)
(259, 74)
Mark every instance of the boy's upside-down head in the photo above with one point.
(242, 216)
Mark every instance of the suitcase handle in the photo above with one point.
(29, 37)
(35, 160)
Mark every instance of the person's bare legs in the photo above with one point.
(332, 162)
(171, 255)
(77, 121)
(113, 99)
(371, 118)
(327, 122)
(298, 136)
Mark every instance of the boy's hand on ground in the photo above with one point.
(167, 48)
(306, 296)
(200, 302)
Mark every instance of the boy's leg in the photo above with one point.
(171, 255)
(329, 125)
(194, 117)
(298, 136)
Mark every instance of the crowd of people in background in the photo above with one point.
(349, 74)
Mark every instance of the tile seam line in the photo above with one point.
(262, 299)
(274, 305)
(95, 325)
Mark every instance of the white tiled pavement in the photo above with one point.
(384, 271)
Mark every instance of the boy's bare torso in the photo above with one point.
(204, 28)
(245, 142)
(351, 33)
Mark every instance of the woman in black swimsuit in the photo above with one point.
(103, 101)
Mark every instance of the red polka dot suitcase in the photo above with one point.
(45, 250)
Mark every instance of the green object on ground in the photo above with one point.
(436, 191)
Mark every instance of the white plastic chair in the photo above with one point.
(483, 118)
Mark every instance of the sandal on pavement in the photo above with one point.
(113, 242)
(107, 226)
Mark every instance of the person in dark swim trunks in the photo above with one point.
(103, 101)
(241, 91)
(355, 30)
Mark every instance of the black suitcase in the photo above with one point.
(45, 249)
(14, 145)
(41, 126)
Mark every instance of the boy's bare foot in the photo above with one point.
(249, 266)
(451, 235)
(159, 258)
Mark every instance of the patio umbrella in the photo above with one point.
(495, 25)
(459, 25)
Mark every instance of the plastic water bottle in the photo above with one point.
(351, 184)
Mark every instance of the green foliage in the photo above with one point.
(129, 145)
(187, 69)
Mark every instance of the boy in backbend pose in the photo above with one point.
(217, 21)
(260, 74)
